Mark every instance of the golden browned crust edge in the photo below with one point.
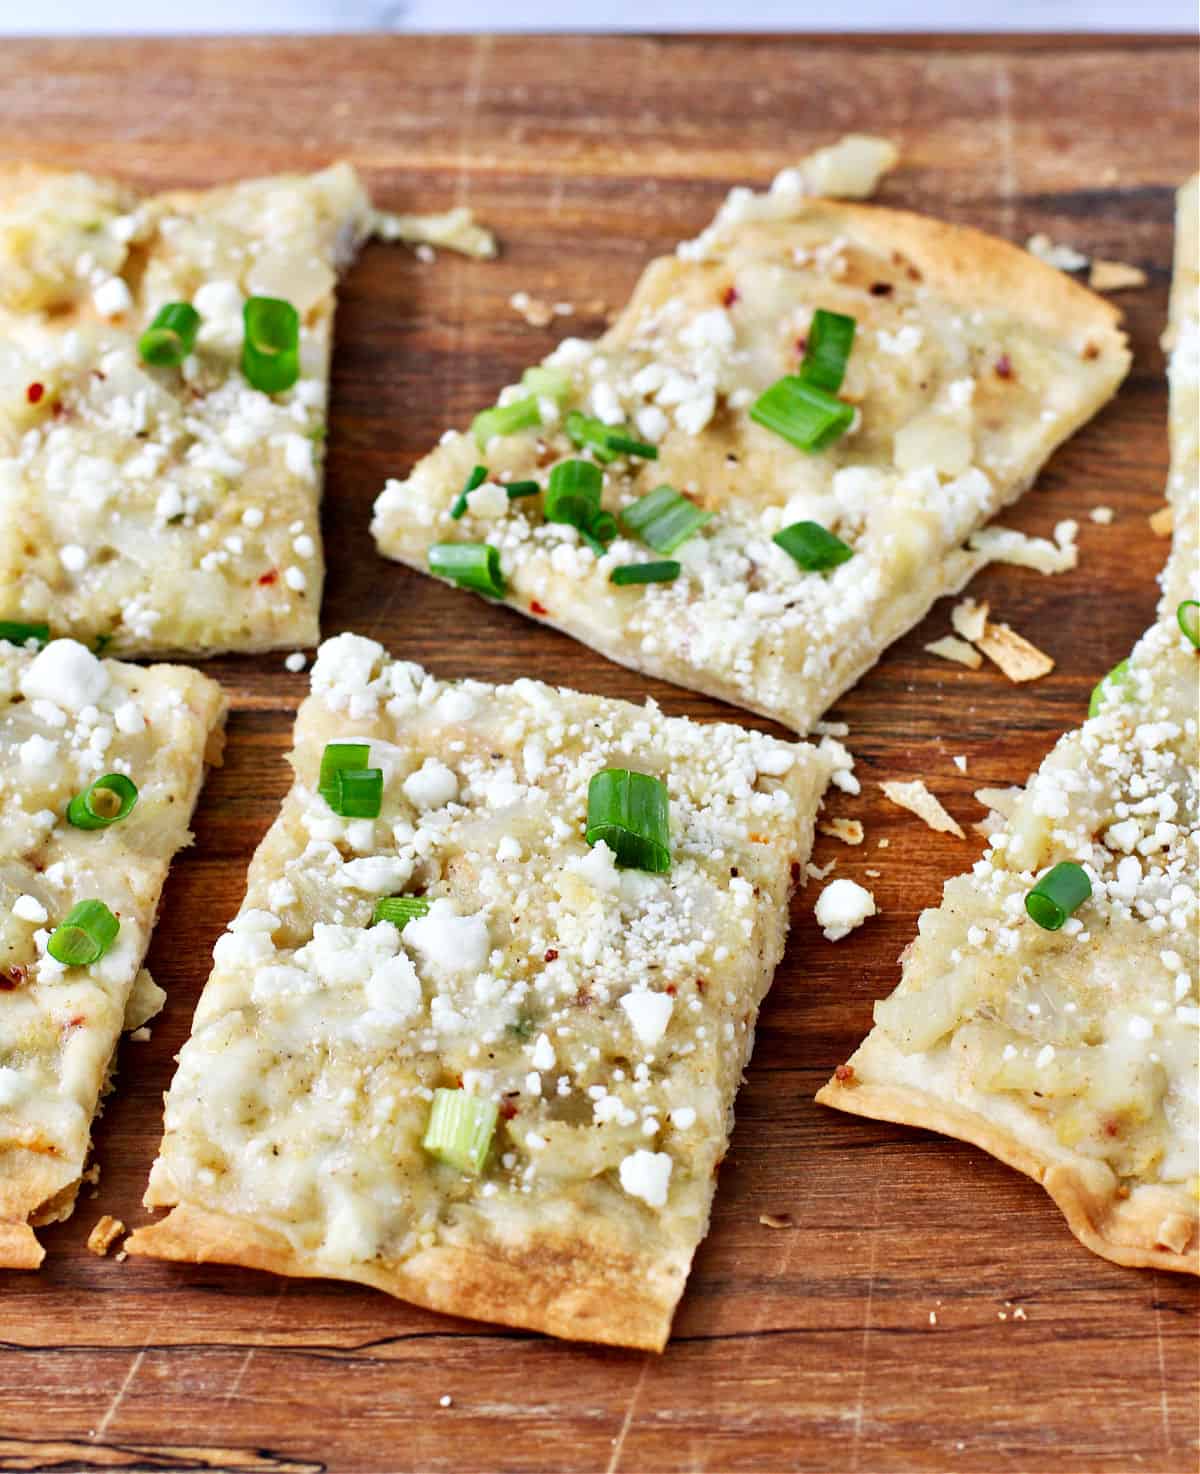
(19, 1248)
(1122, 1230)
(540, 1282)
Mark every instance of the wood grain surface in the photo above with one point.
(807, 1348)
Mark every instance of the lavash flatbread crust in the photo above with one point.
(59, 1027)
(1123, 1216)
(164, 510)
(609, 1012)
(972, 362)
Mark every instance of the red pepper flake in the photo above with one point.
(1004, 368)
(700, 985)
(802, 345)
(34, 393)
(729, 296)
(844, 1074)
(550, 954)
(1112, 1128)
(536, 608)
(271, 575)
(670, 990)
(77, 1022)
(508, 1109)
(12, 977)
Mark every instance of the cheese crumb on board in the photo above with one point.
(1102, 515)
(1162, 522)
(969, 619)
(1016, 656)
(949, 647)
(849, 831)
(1064, 257)
(917, 799)
(1115, 276)
(842, 906)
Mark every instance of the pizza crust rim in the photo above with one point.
(499, 1284)
(1122, 1230)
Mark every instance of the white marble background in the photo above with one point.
(116, 17)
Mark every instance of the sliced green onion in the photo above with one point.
(460, 1130)
(830, 338)
(547, 383)
(399, 910)
(812, 546)
(573, 493)
(359, 793)
(85, 936)
(1188, 615)
(1118, 676)
(803, 413)
(505, 419)
(630, 812)
(474, 566)
(666, 572)
(171, 336)
(17, 633)
(339, 755)
(517, 489)
(1059, 893)
(663, 519)
(103, 802)
(606, 442)
(477, 477)
(271, 345)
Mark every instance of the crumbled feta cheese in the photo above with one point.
(841, 906)
(646, 1175)
(648, 1014)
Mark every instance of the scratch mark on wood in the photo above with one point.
(1008, 153)
(135, 1366)
(1164, 1404)
(619, 1443)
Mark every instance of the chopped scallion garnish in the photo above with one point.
(359, 793)
(336, 757)
(802, 412)
(518, 489)
(830, 338)
(399, 910)
(573, 497)
(474, 566)
(460, 1130)
(606, 442)
(630, 812)
(477, 477)
(1188, 615)
(813, 547)
(103, 802)
(271, 345)
(171, 336)
(1117, 677)
(1059, 893)
(663, 519)
(505, 419)
(17, 633)
(664, 572)
(85, 936)
(547, 383)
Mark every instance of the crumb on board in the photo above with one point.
(933, 1317)
(842, 906)
(445, 1400)
(819, 872)
(105, 1232)
(832, 729)
(1115, 276)
(883, 843)
(960, 762)
(1007, 545)
(873, 874)
(1102, 515)
(1162, 522)
(775, 1220)
(295, 662)
(1055, 253)
(141, 1036)
(917, 799)
(849, 831)
(1014, 654)
(969, 619)
(950, 647)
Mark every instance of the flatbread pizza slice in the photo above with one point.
(788, 438)
(1048, 1009)
(164, 370)
(475, 1040)
(100, 767)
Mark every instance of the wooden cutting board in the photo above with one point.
(927, 1309)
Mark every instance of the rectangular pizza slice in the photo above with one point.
(164, 366)
(775, 460)
(100, 767)
(1048, 1009)
(475, 1035)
